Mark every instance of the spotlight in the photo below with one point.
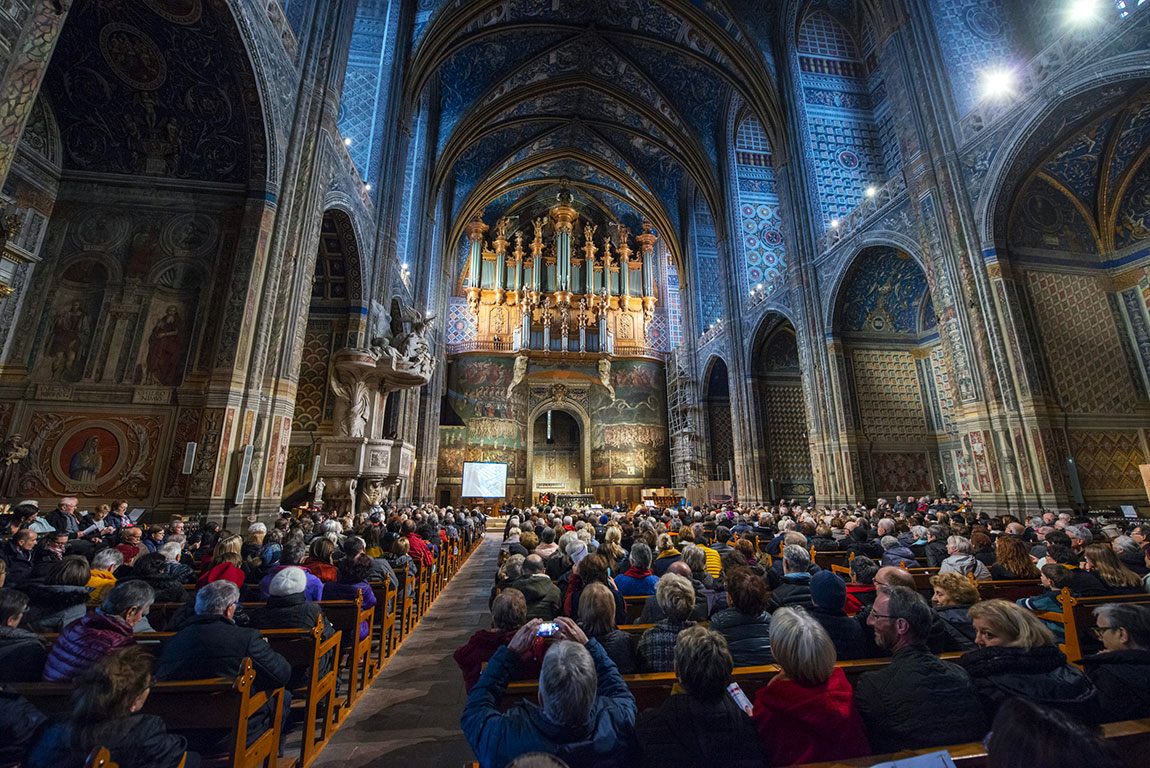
(871, 191)
(367, 187)
(405, 266)
(997, 83)
(347, 141)
(1082, 11)
(834, 223)
(759, 286)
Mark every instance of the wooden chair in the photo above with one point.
(634, 607)
(101, 758)
(386, 605)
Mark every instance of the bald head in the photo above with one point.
(680, 569)
(894, 577)
(1016, 529)
(533, 564)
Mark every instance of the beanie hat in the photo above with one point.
(289, 581)
(828, 591)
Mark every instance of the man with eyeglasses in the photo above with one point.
(918, 700)
(212, 645)
(1121, 672)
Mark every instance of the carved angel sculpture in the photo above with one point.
(518, 374)
(605, 376)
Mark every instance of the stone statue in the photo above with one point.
(371, 496)
(518, 374)
(13, 452)
(605, 376)
(317, 497)
(354, 403)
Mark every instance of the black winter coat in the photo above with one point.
(653, 614)
(213, 646)
(52, 606)
(135, 741)
(1123, 682)
(1039, 675)
(687, 731)
(959, 629)
(294, 612)
(795, 589)
(748, 637)
(168, 588)
(620, 648)
(844, 631)
(916, 689)
(936, 553)
(20, 725)
(22, 655)
(19, 563)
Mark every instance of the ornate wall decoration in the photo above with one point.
(92, 454)
(971, 33)
(896, 473)
(886, 292)
(175, 481)
(1108, 461)
(1081, 340)
(889, 399)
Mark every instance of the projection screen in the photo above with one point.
(484, 479)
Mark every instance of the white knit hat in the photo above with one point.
(289, 581)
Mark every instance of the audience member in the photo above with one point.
(828, 596)
(585, 714)
(542, 596)
(795, 588)
(20, 725)
(860, 589)
(745, 624)
(100, 631)
(22, 652)
(61, 598)
(1013, 560)
(106, 703)
(350, 583)
(653, 612)
(1026, 735)
(102, 575)
(691, 728)
(1016, 656)
(638, 580)
(953, 596)
(1100, 560)
(287, 608)
(960, 559)
(319, 560)
(668, 554)
(676, 599)
(598, 620)
(508, 614)
(897, 554)
(918, 700)
(807, 712)
(17, 554)
(1121, 672)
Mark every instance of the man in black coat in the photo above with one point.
(287, 608)
(22, 652)
(936, 536)
(795, 587)
(542, 596)
(918, 700)
(20, 726)
(64, 518)
(18, 554)
(1121, 672)
(211, 645)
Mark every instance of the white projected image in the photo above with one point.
(484, 479)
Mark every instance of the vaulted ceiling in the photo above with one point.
(628, 99)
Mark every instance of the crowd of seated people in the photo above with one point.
(77, 593)
(759, 607)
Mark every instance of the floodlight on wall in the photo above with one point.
(367, 187)
(834, 223)
(347, 141)
(998, 83)
(871, 191)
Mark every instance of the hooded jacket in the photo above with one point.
(498, 737)
(965, 565)
(687, 730)
(795, 589)
(748, 637)
(85, 642)
(936, 552)
(52, 606)
(636, 582)
(897, 554)
(1123, 682)
(1040, 675)
(542, 596)
(807, 724)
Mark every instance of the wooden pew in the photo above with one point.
(1013, 589)
(347, 616)
(386, 605)
(827, 560)
(634, 607)
(1077, 617)
(195, 705)
(651, 689)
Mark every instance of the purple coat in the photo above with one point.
(333, 590)
(83, 643)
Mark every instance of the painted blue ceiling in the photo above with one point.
(885, 292)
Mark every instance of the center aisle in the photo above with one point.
(410, 716)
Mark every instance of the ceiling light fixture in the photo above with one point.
(998, 83)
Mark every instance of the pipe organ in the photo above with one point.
(576, 287)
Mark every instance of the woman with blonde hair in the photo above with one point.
(807, 712)
(612, 549)
(1103, 563)
(226, 562)
(954, 594)
(1017, 657)
(597, 618)
(668, 554)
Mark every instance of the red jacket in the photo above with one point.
(483, 645)
(325, 572)
(83, 643)
(799, 724)
(420, 552)
(854, 604)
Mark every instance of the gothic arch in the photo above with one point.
(869, 239)
(580, 415)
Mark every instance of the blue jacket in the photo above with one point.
(499, 737)
(629, 586)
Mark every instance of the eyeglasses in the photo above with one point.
(883, 615)
(1098, 632)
